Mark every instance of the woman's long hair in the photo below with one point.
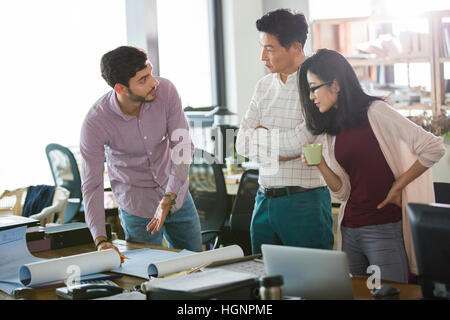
(353, 102)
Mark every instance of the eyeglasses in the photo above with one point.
(313, 89)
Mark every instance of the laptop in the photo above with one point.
(313, 274)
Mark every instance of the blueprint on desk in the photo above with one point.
(18, 267)
(140, 259)
(14, 253)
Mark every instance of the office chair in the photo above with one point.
(208, 190)
(65, 173)
(241, 214)
(442, 192)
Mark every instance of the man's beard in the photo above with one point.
(137, 98)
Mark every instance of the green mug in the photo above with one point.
(313, 153)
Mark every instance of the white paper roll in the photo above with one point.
(163, 268)
(60, 269)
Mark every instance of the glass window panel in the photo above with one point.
(50, 65)
(184, 49)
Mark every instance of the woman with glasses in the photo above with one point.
(374, 160)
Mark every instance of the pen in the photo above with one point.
(181, 273)
(122, 256)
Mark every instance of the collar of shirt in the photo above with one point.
(114, 103)
(290, 78)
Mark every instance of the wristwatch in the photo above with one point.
(172, 199)
(100, 242)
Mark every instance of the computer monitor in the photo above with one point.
(430, 229)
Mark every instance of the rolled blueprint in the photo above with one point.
(59, 269)
(159, 269)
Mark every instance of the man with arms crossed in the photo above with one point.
(141, 126)
(293, 204)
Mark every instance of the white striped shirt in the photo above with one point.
(276, 106)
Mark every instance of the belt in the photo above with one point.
(281, 192)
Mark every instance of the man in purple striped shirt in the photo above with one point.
(141, 127)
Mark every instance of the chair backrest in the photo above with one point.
(58, 207)
(442, 192)
(12, 201)
(65, 174)
(241, 214)
(47, 214)
(208, 190)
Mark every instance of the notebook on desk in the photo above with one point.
(309, 273)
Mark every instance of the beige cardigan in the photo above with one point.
(402, 143)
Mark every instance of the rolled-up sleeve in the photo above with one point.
(328, 153)
(429, 148)
(290, 142)
(248, 141)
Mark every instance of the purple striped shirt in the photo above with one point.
(147, 155)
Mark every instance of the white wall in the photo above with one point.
(243, 67)
(300, 5)
(441, 170)
(50, 77)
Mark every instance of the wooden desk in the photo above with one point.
(360, 290)
(48, 293)
(232, 181)
(407, 291)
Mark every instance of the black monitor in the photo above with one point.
(430, 228)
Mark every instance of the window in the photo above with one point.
(50, 62)
(187, 49)
(184, 49)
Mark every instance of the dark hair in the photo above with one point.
(286, 25)
(353, 102)
(122, 64)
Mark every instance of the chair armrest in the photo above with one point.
(46, 212)
(218, 234)
(59, 204)
(211, 231)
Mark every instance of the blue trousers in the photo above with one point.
(298, 220)
(181, 228)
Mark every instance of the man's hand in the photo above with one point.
(280, 158)
(107, 245)
(160, 216)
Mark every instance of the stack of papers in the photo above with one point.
(198, 281)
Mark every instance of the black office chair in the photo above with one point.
(65, 174)
(208, 190)
(442, 192)
(241, 214)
